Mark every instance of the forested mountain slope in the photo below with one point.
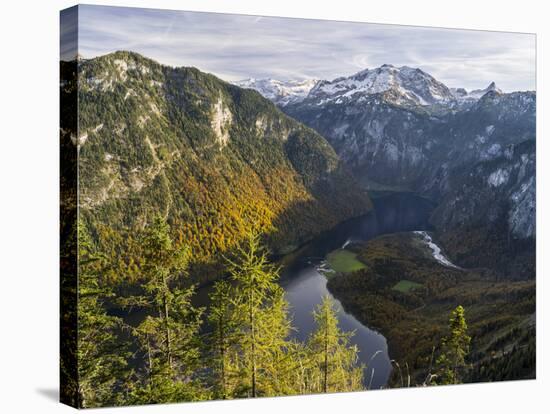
(212, 157)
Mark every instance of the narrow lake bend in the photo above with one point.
(305, 285)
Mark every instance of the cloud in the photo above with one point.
(68, 32)
(235, 46)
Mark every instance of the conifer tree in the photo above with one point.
(222, 338)
(333, 359)
(263, 326)
(169, 336)
(102, 354)
(279, 364)
(455, 348)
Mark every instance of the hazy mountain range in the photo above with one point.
(399, 128)
(409, 85)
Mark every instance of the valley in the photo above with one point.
(472, 154)
(368, 209)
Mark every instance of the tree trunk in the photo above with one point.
(253, 356)
(325, 382)
(150, 358)
(80, 399)
(166, 324)
(222, 356)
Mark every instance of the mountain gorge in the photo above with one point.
(215, 159)
(398, 128)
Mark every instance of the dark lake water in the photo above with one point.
(305, 285)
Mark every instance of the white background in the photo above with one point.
(29, 205)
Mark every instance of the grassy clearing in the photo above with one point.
(344, 261)
(404, 286)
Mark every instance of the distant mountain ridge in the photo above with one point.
(402, 85)
(280, 92)
(462, 95)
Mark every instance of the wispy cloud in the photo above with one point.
(236, 47)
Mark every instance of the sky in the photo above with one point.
(236, 47)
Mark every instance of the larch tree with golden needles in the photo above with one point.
(455, 348)
(263, 325)
(333, 358)
(222, 339)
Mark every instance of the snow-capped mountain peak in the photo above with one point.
(280, 92)
(406, 86)
(402, 86)
(463, 96)
(478, 93)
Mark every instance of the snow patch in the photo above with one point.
(521, 218)
(498, 177)
(436, 250)
(280, 92)
(347, 243)
(391, 150)
(494, 149)
(340, 130)
(406, 85)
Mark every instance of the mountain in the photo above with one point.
(487, 216)
(216, 159)
(485, 129)
(280, 92)
(461, 95)
(400, 129)
(402, 86)
(394, 126)
(379, 122)
(391, 124)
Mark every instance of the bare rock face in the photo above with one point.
(221, 122)
(502, 188)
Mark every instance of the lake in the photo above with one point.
(305, 285)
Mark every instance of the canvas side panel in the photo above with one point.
(68, 205)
